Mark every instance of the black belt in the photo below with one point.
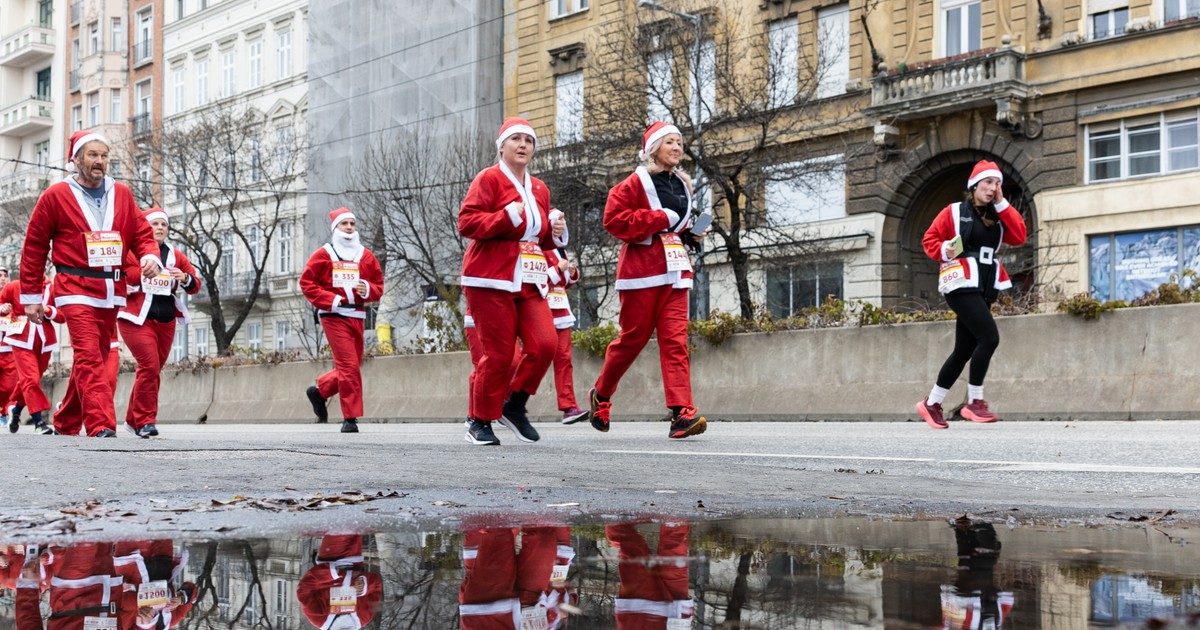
(110, 608)
(357, 310)
(115, 274)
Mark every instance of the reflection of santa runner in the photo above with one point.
(654, 586)
(155, 574)
(84, 590)
(504, 589)
(338, 593)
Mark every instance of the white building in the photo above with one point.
(239, 54)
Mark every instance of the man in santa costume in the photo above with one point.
(338, 592)
(504, 588)
(654, 583)
(30, 346)
(340, 279)
(147, 324)
(85, 224)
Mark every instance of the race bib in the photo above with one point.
(158, 285)
(99, 623)
(557, 298)
(951, 276)
(17, 326)
(534, 618)
(104, 249)
(153, 595)
(677, 258)
(559, 572)
(679, 624)
(345, 274)
(342, 599)
(534, 269)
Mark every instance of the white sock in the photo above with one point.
(937, 395)
(974, 392)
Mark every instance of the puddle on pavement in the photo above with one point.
(655, 573)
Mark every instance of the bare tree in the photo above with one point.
(235, 179)
(761, 117)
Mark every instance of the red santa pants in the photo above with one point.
(345, 337)
(660, 581)
(500, 318)
(476, 353)
(493, 570)
(8, 381)
(644, 312)
(150, 345)
(564, 371)
(91, 331)
(68, 418)
(30, 365)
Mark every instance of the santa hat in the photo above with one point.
(984, 169)
(78, 140)
(513, 126)
(337, 215)
(655, 132)
(155, 213)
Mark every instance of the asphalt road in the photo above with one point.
(241, 480)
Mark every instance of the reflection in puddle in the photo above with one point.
(781, 573)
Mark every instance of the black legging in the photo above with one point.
(975, 339)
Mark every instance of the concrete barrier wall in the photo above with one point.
(1131, 364)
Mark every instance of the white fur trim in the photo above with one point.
(514, 214)
(665, 131)
(991, 172)
(1003, 205)
(31, 298)
(671, 610)
(157, 214)
(671, 277)
(564, 322)
(490, 283)
(513, 130)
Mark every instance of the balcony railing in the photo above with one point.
(27, 46)
(141, 124)
(28, 182)
(954, 85)
(143, 50)
(26, 116)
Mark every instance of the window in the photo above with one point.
(568, 107)
(1165, 143)
(142, 188)
(1180, 9)
(201, 82)
(282, 330)
(659, 91)
(114, 169)
(1127, 266)
(201, 342)
(560, 8)
(115, 114)
(42, 85)
(145, 36)
(178, 79)
(254, 244)
(586, 306)
(178, 344)
(961, 27)
(283, 248)
(229, 172)
(284, 53)
(812, 190)
(1108, 23)
(180, 9)
(254, 336)
(77, 118)
(180, 182)
(116, 40)
(228, 73)
(46, 13)
(833, 64)
(41, 151)
(254, 50)
(782, 62)
(256, 172)
(93, 109)
(703, 110)
(145, 96)
(75, 51)
(226, 262)
(93, 38)
(806, 285)
(283, 148)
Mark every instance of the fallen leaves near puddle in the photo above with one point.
(1140, 518)
(289, 504)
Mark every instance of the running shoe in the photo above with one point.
(932, 414)
(318, 404)
(573, 415)
(686, 423)
(517, 420)
(601, 410)
(977, 411)
(480, 433)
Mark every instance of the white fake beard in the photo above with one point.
(347, 243)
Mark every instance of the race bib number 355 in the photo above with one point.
(345, 274)
(104, 249)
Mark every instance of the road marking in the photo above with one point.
(997, 465)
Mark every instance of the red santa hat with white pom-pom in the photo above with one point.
(79, 139)
(337, 215)
(655, 132)
(513, 126)
(983, 170)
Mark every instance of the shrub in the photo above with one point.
(595, 340)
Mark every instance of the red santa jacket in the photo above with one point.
(30, 336)
(560, 307)
(137, 306)
(62, 217)
(501, 589)
(496, 229)
(634, 215)
(339, 564)
(948, 224)
(81, 581)
(651, 593)
(317, 282)
(133, 560)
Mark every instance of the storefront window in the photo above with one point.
(1129, 265)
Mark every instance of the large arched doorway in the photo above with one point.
(941, 181)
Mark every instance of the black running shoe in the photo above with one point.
(145, 432)
(686, 423)
(14, 417)
(14, 423)
(350, 425)
(318, 404)
(516, 419)
(151, 429)
(601, 410)
(106, 433)
(480, 433)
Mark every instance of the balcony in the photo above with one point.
(25, 183)
(236, 290)
(141, 125)
(993, 77)
(27, 116)
(26, 47)
(142, 52)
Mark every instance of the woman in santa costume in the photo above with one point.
(505, 279)
(563, 274)
(965, 238)
(339, 592)
(506, 588)
(340, 279)
(30, 345)
(654, 583)
(86, 224)
(147, 324)
(155, 593)
(650, 212)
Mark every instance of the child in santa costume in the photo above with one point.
(650, 212)
(86, 224)
(339, 280)
(504, 588)
(30, 342)
(338, 592)
(504, 277)
(965, 238)
(147, 324)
